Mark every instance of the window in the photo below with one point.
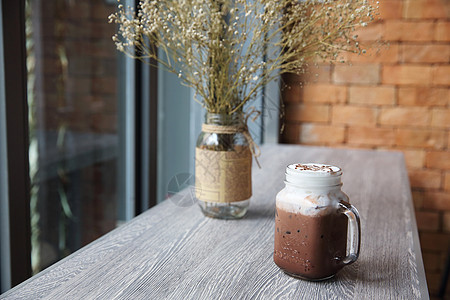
(73, 101)
(77, 144)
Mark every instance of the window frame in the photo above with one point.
(16, 117)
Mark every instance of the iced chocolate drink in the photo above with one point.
(310, 246)
(312, 216)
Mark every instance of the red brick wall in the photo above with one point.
(78, 61)
(397, 98)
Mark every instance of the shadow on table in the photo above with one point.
(363, 271)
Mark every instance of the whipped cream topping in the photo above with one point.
(311, 189)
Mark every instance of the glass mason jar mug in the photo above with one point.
(223, 163)
(312, 219)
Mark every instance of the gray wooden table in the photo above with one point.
(174, 252)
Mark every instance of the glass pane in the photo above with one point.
(74, 125)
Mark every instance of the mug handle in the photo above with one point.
(355, 232)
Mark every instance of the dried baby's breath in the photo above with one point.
(228, 49)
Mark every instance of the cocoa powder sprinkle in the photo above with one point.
(314, 168)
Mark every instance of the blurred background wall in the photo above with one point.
(396, 98)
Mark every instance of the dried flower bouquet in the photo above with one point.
(227, 50)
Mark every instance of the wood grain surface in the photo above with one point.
(173, 252)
